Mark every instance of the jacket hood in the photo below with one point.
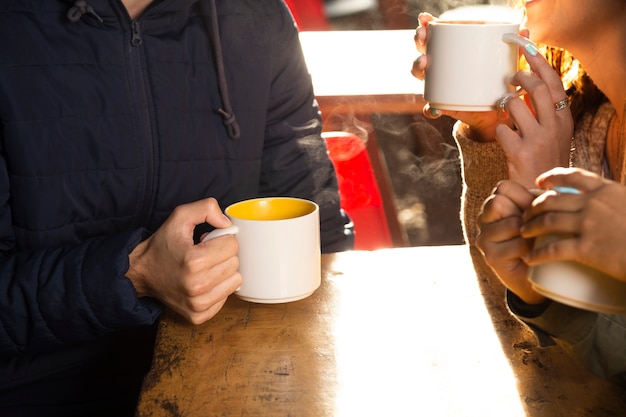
(80, 8)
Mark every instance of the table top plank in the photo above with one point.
(402, 332)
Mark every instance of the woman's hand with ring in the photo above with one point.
(543, 126)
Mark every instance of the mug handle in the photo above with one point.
(230, 230)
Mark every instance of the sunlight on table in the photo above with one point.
(427, 371)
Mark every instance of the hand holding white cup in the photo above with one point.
(470, 64)
(573, 283)
(279, 248)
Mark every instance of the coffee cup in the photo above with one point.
(470, 63)
(577, 285)
(279, 248)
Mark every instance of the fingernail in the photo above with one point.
(566, 190)
(431, 112)
(521, 41)
(417, 60)
(531, 49)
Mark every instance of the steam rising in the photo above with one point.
(421, 155)
(437, 8)
(424, 165)
(485, 13)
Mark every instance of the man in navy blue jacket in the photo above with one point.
(124, 126)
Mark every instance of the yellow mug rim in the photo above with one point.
(271, 208)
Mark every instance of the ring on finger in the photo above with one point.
(562, 104)
(503, 102)
(517, 93)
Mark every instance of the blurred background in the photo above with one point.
(421, 155)
(391, 14)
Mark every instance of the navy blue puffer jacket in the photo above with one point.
(108, 124)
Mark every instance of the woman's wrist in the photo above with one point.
(475, 134)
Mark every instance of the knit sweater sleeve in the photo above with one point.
(484, 163)
(594, 340)
(483, 166)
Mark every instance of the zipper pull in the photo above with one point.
(136, 39)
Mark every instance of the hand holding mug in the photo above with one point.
(193, 280)
(535, 132)
(500, 240)
(578, 228)
(541, 135)
(471, 95)
(279, 248)
(593, 221)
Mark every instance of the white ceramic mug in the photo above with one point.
(470, 64)
(279, 248)
(577, 285)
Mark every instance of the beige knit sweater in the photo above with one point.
(483, 166)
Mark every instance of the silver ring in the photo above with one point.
(563, 104)
(508, 96)
(503, 102)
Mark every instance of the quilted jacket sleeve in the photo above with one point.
(295, 160)
(61, 296)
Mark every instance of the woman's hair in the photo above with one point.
(584, 95)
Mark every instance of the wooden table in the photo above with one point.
(360, 73)
(395, 332)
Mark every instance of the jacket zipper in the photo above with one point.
(144, 117)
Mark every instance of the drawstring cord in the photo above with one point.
(232, 127)
(80, 9)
